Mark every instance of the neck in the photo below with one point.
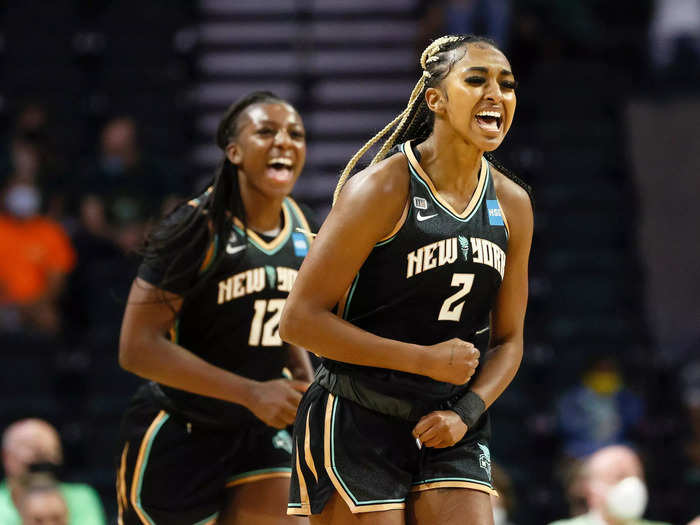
(452, 163)
(262, 212)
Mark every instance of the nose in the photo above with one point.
(492, 91)
(282, 138)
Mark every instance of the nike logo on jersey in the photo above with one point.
(422, 218)
(234, 249)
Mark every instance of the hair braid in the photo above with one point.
(415, 121)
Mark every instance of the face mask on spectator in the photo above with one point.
(627, 499)
(22, 201)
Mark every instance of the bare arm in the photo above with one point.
(444, 428)
(145, 350)
(503, 358)
(300, 364)
(367, 210)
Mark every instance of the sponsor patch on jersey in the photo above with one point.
(495, 213)
(420, 203)
(301, 245)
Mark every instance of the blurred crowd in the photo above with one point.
(623, 435)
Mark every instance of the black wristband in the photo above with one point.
(469, 407)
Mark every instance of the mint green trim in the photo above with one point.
(477, 481)
(352, 291)
(265, 251)
(205, 520)
(293, 505)
(177, 331)
(387, 241)
(259, 471)
(143, 468)
(337, 474)
(437, 202)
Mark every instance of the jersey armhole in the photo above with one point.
(399, 224)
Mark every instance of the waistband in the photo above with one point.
(354, 389)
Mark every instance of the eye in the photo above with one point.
(509, 84)
(297, 134)
(266, 132)
(475, 81)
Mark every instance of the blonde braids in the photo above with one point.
(429, 55)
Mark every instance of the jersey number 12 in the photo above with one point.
(451, 311)
(267, 333)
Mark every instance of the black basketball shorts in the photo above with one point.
(372, 460)
(173, 472)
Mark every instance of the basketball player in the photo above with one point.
(424, 253)
(205, 440)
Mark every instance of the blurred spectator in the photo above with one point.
(32, 445)
(102, 265)
(616, 494)
(502, 505)
(675, 23)
(42, 502)
(484, 17)
(131, 185)
(31, 152)
(598, 411)
(35, 257)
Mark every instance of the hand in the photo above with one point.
(440, 429)
(452, 361)
(275, 402)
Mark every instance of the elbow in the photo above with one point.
(128, 355)
(290, 324)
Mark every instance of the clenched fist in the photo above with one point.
(452, 361)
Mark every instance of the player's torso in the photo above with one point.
(233, 321)
(436, 278)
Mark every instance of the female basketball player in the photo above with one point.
(205, 440)
(424, 253)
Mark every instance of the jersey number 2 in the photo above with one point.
(451, 311)
(270, 331)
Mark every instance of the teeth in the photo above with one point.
(281, 160)
(489, 114)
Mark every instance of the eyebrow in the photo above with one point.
(486, 70)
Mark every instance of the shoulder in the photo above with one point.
(515, 201)
(387, 181)
(579, 520)
(80, 495)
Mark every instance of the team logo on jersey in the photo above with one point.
(485, 459)
(495, 213)
(301, 245)
(282, 440)
(464, 245)
(420, 203)
(271, 276)
(231, 247)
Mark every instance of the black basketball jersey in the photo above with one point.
(232, 321)
(434, 279)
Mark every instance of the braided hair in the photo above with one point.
(415, 122)
(207, 225)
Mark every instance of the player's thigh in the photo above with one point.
(337, 512)
(261, 502)
(449, 507)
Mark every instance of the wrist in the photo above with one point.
(248, 393)
(469, 408)
(421, 361)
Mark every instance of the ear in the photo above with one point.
(435, 99)
(234, 154)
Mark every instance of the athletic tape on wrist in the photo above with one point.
(469, 407)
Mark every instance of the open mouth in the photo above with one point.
(280, 169)
(489, 120)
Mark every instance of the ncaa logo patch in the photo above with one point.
(495, 213)
(301, 245)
